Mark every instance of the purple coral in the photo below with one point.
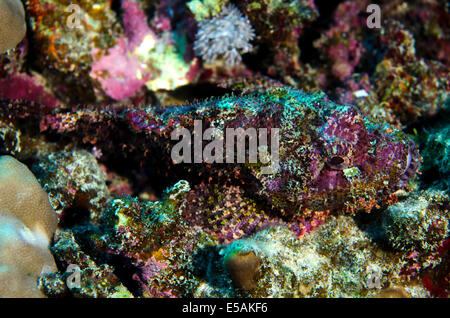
(31, 88)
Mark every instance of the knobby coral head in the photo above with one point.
(12, 24)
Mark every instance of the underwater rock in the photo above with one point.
(65, 35)
(10, 138)
(393, 292)
(428, 22)
(278, 25)
(81, 275)
(206, 9)
(436, 278)
(418, 223)
(417, 227)
(436, 154)
(75, 183)
(410, 85)
(341, 46)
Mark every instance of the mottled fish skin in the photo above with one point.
(331, 157)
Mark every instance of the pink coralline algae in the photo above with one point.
(31, 88)
(141, 58)
(118, 71)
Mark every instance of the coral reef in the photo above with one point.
(139, 57)
(331, 261)
(73, 181)
(432, 30)
(387, 65)
(65, 39)
(278, 25)
(93, 281)
(206, 9)
(341, 45)
(221, 148)
(420, 222)
(410, 85)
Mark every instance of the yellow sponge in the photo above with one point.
(27, 224)
(12, 24)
